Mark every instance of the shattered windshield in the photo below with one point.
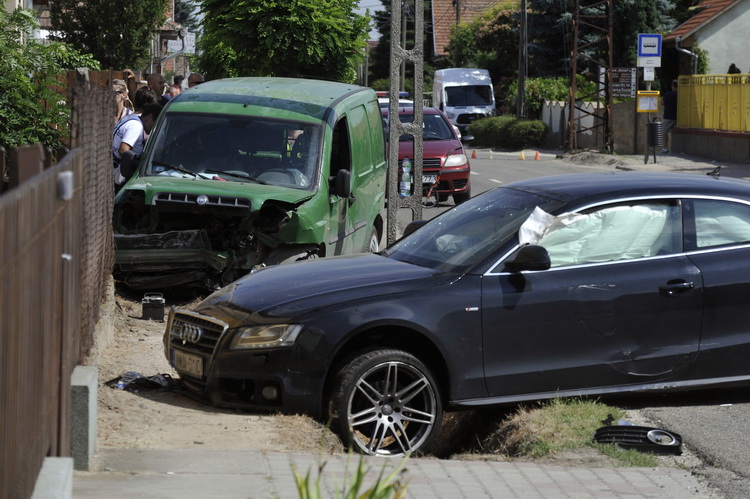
(236, 149)
(467, 234)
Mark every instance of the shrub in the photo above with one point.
(507, 132)
(526, 133)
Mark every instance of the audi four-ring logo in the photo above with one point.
(187, 333)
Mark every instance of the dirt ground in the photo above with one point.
(167, 419)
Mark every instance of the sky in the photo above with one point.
(372, 5)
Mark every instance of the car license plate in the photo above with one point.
(189, 364)
(429, 179)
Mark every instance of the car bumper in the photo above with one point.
(246, 379)
(451, 181)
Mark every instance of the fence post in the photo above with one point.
(25, 162)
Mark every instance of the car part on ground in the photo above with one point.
(640, 438)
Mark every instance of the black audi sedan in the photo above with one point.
(571, 285)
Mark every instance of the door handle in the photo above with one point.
(675, 288)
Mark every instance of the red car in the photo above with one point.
(443, 154)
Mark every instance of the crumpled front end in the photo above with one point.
(180, 239)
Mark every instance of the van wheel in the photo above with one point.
(373, 246)
(386, 403)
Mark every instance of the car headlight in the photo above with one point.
(456, 160)
(276, 335)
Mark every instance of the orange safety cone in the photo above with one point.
(523, 156)
(474, 154)
(536, 156)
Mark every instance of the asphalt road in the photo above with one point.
(715, 425)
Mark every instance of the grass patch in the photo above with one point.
(556, 426)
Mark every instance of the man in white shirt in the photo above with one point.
(130, 135)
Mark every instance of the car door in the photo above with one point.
(718, 242)
(621, 304)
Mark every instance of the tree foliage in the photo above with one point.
(185, 13)
(117, 34)
(33, 111)
(296, 38)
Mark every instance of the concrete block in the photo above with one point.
(55, 479)
(83, 382)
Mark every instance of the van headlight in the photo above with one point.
(267, 336)
(456, 160)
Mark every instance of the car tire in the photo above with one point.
(373, 243)
(375, 417)
(463, 197)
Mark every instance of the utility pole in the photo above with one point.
(522, 64)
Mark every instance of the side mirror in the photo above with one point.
(467, 138)
(128, 164)
(343, 184)
(529, 257)
(413, 226)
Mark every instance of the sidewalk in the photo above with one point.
(128, 473)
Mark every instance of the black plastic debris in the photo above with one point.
(641, 438)
(134, 381)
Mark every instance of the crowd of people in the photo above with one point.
(135, 118)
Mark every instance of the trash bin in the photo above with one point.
(655, 137)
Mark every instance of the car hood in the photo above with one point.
(291, 290)
(153, 185)
(432, 148)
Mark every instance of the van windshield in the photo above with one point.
(232, 148)
(468, 95)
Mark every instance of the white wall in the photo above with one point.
(726, 39)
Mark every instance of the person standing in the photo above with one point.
(669, 104)
(157, 83)
(124, 105)
(129, 131)
(194, 79)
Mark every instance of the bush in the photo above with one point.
(527, 133)
(507, 132)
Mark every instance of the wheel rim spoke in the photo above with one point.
(391, 409)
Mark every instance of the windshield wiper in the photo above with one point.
(244, 176)
(173, 167)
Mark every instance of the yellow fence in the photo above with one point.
(714, 102)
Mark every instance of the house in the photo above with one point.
(449, 13)
(721, 28)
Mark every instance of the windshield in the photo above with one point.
(232, 148)
(468, 95)
(434, 127)
(467, 234)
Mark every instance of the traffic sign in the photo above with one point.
(649, 45)
(623, 82)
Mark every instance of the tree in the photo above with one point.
(185, 13)
(33, 112)
(117, 34)
(295, 38)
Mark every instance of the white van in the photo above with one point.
(464, 95)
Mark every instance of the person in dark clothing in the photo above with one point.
(669, 104)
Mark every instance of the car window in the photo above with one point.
(222, 147)
(613, 233)
(467, 234)
(719, 223)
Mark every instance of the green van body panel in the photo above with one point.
(221, 189)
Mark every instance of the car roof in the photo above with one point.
(593, 187)
(294, 95)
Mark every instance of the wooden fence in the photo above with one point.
(56, 257)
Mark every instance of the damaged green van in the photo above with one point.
(246, 172)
